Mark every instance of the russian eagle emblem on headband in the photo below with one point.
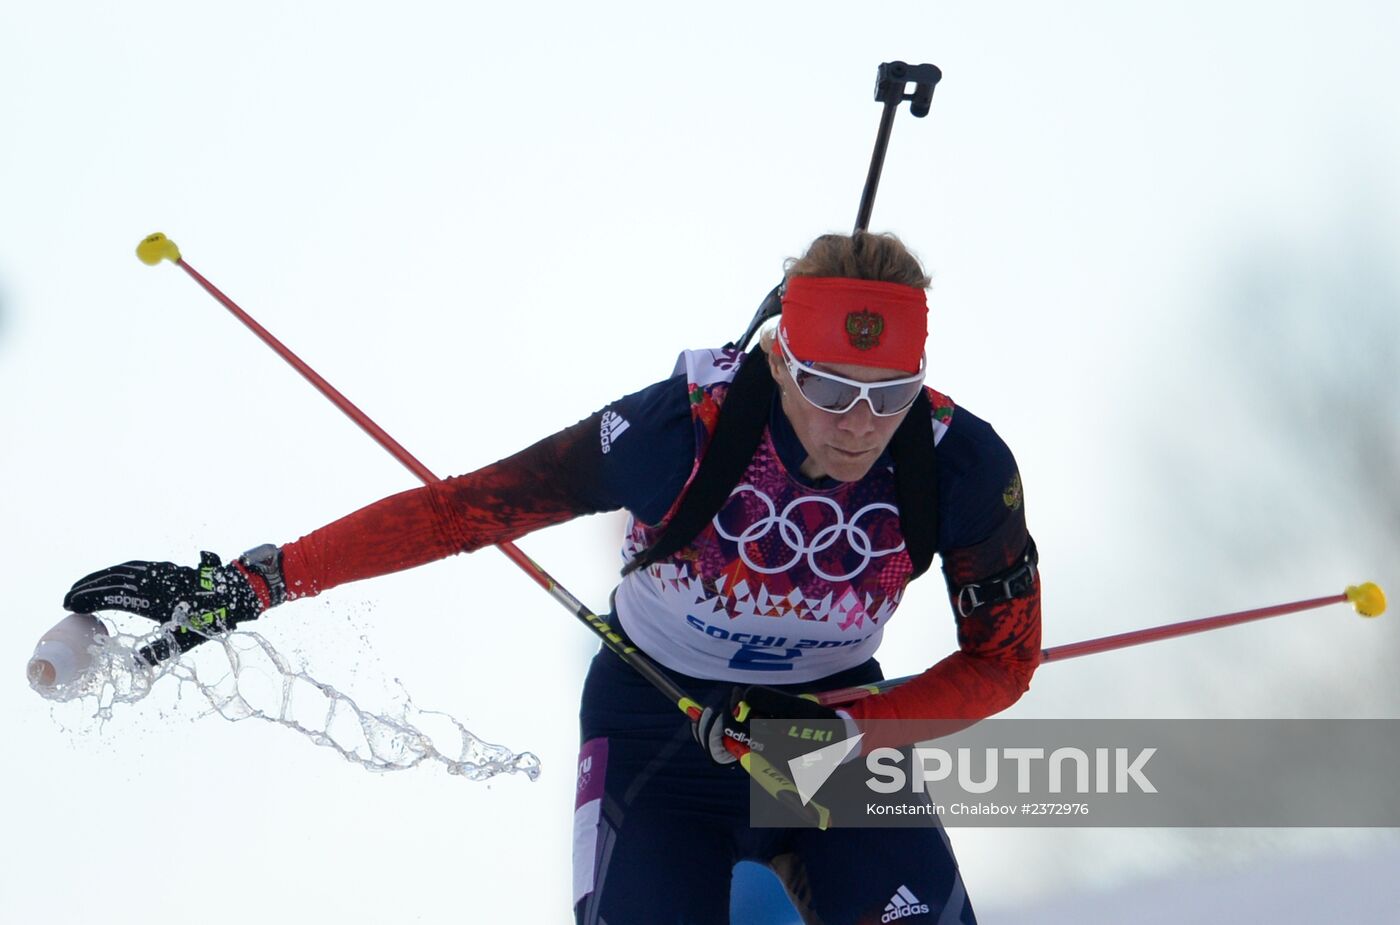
(864, 329)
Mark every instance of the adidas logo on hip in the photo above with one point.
(902, 905)
(613, 424)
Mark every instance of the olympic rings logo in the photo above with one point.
(791, 534)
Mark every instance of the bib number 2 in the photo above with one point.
(763, 658)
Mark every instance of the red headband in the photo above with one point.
(856, 321)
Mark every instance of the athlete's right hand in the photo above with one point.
(710, 731)
(203, 600)
(723, 726)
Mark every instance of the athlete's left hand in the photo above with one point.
(808, 720)
(201, 601)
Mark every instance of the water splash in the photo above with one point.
(252, 680)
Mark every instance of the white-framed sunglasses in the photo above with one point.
(837, 394)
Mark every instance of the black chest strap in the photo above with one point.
(742, 419)
(916, 483)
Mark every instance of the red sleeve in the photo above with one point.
(998, 651)
(538, 487)
(998, 648)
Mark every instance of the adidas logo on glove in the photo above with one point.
(126, 600)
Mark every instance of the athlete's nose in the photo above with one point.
(860, 419)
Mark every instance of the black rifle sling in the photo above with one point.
(916, 483)
(742, 419)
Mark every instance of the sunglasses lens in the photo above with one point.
(825, 393)
(892, 399)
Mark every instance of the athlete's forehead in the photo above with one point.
(858, 373)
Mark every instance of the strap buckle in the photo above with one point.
(266, 560)
(1017, 581)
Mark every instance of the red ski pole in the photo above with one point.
(157, 247)
(1367, 598)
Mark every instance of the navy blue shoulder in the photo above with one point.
(646, 448)
(979, 487)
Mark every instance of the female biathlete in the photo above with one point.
(787, 586)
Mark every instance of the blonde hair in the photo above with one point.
(863, 255)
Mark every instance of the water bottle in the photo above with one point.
(64, 652)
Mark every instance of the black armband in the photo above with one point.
(1018, 580)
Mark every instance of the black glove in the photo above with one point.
(206, 600)
(810, 722)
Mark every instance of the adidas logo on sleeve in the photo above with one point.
(613, 424)
(902, 905)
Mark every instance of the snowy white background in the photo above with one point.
(1163, 240)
